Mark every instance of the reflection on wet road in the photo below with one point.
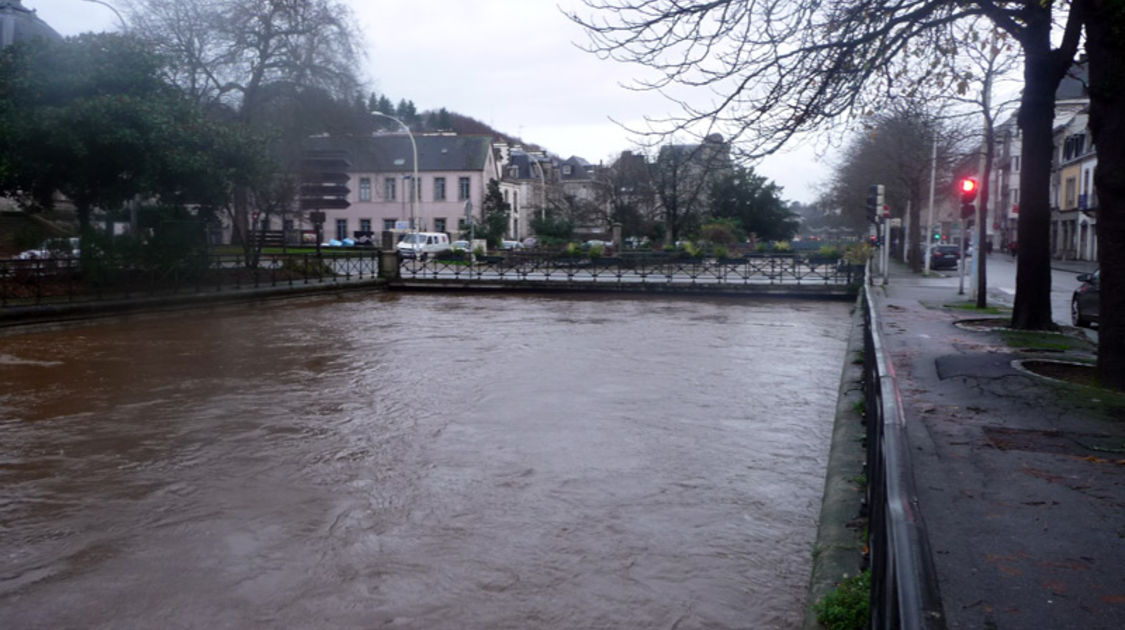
(423, 461)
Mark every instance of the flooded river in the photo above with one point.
(418, 461)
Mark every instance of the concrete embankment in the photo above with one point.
(66, 311)
(838, 551)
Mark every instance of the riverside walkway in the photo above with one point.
(1020, 479)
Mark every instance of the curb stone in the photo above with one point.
(838, 550)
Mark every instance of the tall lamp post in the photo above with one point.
(414, 191)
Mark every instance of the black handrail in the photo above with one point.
(904, 585)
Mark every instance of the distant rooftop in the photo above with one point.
(20, 24)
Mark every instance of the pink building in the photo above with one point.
(452, 170)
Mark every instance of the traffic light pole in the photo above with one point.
(930, 214)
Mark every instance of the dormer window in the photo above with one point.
(566, 169)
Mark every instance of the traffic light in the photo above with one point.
(324, 175)
(969, 188)
(875, 202)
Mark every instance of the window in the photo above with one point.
(365, 189)
(516, 202)
(388, 224)
(389, 189)
(514, 172)
(439, 189)
(567, 169)
(1016, 163)
(1015, 195)
(439, 225)
(1071, 192)
(365, 225)
(463, 189)
(341, 229)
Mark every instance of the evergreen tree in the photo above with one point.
(495, 213)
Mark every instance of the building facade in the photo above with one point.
(453, 172)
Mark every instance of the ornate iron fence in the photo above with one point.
(96, 278)
(641, 269)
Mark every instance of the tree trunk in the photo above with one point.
(915, 251)
(1105, 48)
(982, 227)
(1032, 309)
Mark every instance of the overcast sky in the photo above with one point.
(510, 63)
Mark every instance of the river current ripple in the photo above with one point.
(418, 461)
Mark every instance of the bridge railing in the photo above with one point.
(904, 586)
(654, 268)
(57, 280)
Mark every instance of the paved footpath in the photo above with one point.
(1021, 480)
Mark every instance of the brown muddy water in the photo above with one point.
(418, 461)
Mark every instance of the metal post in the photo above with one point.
(930, 217)
(414, 192)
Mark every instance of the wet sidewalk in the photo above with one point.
(1021, 479)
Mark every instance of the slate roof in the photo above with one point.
(378, 154)
(1075, 83)
(18, 24)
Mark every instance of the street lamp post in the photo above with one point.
(414, 191)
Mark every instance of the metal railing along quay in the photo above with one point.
(638, 269)
(904, 585)
(65, 280)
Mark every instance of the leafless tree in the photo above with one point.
(251, 58)
(227, 52)
(771, 69)
(987, 56)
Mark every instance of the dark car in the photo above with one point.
(944, 256)
(1086, 302)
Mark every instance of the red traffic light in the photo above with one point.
(968, 190)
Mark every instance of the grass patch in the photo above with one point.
(1041, 340)
(848, 606)
(972, 308)
(859, 407)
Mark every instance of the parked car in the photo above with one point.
(53, 248)
(1086, 301)
(459, 246)
(511, 245)
(423, 244)
(944, 256)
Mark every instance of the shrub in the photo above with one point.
(721, 252)
(858, 254)
(596, 252)
(573, 250)
(782, 247)
(307, 266)
(828, 251)
(452, 254)
(848, 606)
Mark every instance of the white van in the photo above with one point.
(423, 244)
